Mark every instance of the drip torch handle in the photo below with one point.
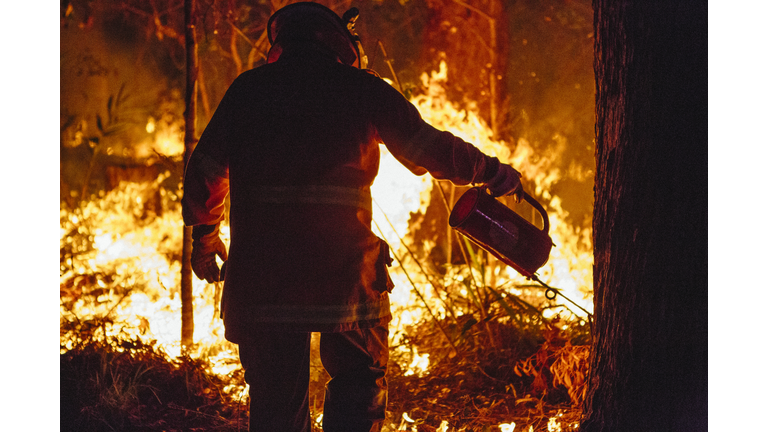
(535, 204)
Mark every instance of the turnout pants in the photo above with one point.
(277, 370)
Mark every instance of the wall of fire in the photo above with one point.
(122, 77)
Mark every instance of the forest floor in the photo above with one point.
(130, 385)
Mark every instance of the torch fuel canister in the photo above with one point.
(502, 232)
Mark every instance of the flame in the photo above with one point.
(133, 263)
(166, 137)
(131, 256)
(507, 427)
(553, 425)
(420, 364)
(570, 264)
(396, 194)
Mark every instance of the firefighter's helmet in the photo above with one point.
(311, 22)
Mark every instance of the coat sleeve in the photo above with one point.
(206, 177)
(206, 186)
(423, 148)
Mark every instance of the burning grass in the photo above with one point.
(513, 366)
(474, 346)
(454, 368)
(517, 380)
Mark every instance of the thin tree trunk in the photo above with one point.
(190, 140)
(494, 67)
(649, 362)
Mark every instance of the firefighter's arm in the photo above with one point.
(206, 185)
(206, 176)
(422, 148)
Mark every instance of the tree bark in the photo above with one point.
(649, 362)
(190, 140)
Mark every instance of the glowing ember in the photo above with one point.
(419, 365)
(507, 427)
(553, 425)
(166, 137)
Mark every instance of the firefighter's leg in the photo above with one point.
(277, 370)
(356, 395)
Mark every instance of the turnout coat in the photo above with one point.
(295, 144)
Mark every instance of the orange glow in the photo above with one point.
(134, 262)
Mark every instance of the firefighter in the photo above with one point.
(295, 145)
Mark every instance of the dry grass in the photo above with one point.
(504, 363)
(129, 385)
(528, 378)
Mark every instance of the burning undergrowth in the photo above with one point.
(474, 346)
(496, 373)
(464, 355)
(121, 365)
(475, 343)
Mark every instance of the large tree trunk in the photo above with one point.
(649, 363)
(190, 140)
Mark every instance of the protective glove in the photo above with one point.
(506, 181)
(206, 244)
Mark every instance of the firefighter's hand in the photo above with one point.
(506, 182)
(205, 247)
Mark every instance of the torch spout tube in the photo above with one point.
(552, 293)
